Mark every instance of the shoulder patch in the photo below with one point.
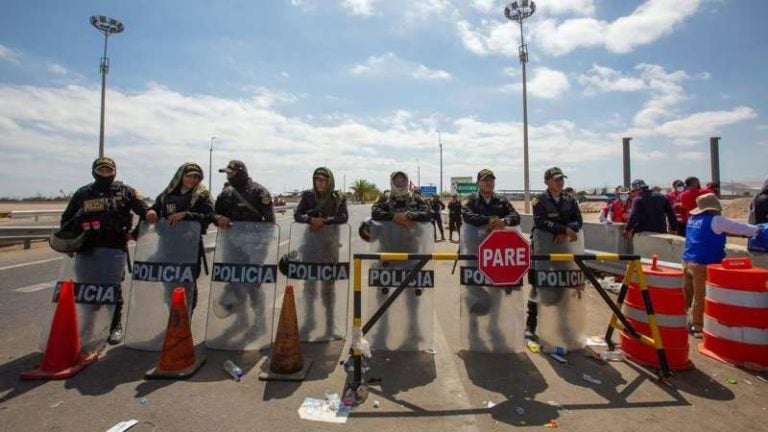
(266, 200)
(137, 194)
(534, 201)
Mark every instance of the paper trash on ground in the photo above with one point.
(320, 410)
(123, 426)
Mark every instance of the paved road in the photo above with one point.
(448, 390)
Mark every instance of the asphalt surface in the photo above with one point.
(450, 389)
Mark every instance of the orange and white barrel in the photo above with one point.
(665, 287)
(736, 314)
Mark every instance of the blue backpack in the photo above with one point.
(759, 242)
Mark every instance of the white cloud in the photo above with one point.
(390, 65)
(56, 69)
(649, 22)
(424, 9)
(484, 5)
(691, 156)
(602, 79)
(9, 54)
(359, 7)
(545, 83)
(706, 123)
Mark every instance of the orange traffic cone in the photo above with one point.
(62, 358)
(177, 359)
(286, 361)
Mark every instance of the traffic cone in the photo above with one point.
(62, 358)
(286, 362)
(177, 359)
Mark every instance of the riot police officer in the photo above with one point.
(454, 217)
(185, 198)
(557, 213)
(323, 208)
(487, 208)
(102, 211)
(243, 199)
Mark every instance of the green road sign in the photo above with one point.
(466, 188)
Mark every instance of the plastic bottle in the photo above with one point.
(233, 370)
(555, 350)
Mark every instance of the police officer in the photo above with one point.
(319, 207)
(557, 213)
(185, 199)
(454, 217)
(487, 208)
(437, 207)
(103, 209)
(406, 208)
(483, 212)
(242, 199)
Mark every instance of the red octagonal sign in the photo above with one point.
(504, 257)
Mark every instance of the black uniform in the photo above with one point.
(454, 218)
(648, 212)
(105, 211)
(229, 205)
(478, 211)
(437, 207)
(414, 207)
(307, 209)
(554, 216)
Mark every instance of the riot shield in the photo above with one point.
(243, 279)
(165, 258)
(317, 265)
(491, 317)
(558, 290)
(407, 324)
(97, 275)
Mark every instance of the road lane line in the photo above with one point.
(37, 287)
(449, 377)
(10, 267)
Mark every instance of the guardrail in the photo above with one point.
(24, 234)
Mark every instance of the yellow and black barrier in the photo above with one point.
(618, 320)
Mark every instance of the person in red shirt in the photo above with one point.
(692, 191)
(674, 197)
(617, 210)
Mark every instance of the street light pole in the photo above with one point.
(519, 11)
(440, 143)
(210, 165)
(107, 26)
(418, 173)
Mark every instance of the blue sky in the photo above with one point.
(362, 86)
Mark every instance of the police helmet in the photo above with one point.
(365, 230)
(67, 241)
(282, 265)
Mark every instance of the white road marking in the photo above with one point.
(30, 263)
(37, 287)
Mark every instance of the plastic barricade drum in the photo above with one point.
(736, 314)
(243, 279)
(407, 324)
(491, 317)
(665, 287)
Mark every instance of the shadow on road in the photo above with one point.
(325, 359)
(9, 376)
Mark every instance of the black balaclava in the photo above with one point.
(103, 181)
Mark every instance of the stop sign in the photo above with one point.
(504, 257)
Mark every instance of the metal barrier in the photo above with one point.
(618, 320)
(24, 234)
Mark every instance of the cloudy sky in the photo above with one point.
(363, 86)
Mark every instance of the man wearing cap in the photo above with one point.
(454, 217)
(649, 210)
(185, 199)
(557, 213)
(103, 210)
(705, 244)
(243, 199)
(617, 210)
(487, 208)
(437, 207)
(692, 191)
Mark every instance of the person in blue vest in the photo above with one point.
(705, 244)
